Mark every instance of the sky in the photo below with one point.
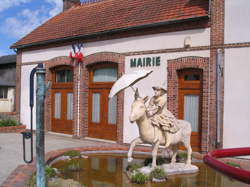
(19, 17)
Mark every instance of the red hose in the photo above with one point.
(236, 173)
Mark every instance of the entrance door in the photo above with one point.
(190, 102)
(62, 101)
(102, 111)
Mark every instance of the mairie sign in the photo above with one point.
(145, 62)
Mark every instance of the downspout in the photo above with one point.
(209, 8)
(78, 100)
(219, 76)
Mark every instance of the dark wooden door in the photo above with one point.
(190, 103)
(62, 101)
(99, 124)
(102, 111)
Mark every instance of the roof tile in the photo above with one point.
(108, 15)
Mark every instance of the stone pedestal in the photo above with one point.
(173, 169)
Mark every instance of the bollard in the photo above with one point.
(40, 95)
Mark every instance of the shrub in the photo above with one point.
(72, 154)
(158, 173)
(133, 167)
(159, 161)
(8, 122)
(139, 178)
(50, 172)
(181, 156)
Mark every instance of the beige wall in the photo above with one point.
(237, 98)
(237, 21)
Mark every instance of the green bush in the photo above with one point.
(8, 122)
(158, 173)
(159, 161)
(132, 167)
(50, 172)
(139, 178)
(72, 154)
(181, 156)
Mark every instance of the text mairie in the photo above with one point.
(145, 62)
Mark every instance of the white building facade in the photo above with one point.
(185, 57)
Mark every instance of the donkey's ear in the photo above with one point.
(145, 99)
(136, 94)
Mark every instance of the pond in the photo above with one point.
(105, 170)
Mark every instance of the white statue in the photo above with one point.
(155, 134)
(160, 116)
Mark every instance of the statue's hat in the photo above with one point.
(159, 88)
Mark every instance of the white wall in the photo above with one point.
(237, 98)
(7, 105)
(199, 37)
(157, 78)
(237, 21)
(25, 109)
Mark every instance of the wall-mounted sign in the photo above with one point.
(145, 62)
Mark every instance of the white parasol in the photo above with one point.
(127, 80)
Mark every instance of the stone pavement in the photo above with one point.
(11, 149)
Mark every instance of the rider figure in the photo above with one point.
(160, 116)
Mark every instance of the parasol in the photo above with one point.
(127, 80)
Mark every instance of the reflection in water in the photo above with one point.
(108, 171)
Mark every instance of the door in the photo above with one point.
(102, 111)
(62, 101)
(190, 102)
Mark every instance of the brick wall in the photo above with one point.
(217, 39)
(174, 66)
(18, 82)
(49, 66)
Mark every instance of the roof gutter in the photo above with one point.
(145, 26)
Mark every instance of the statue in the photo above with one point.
(154, 131)
(160, 116)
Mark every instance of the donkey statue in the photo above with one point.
(154, 135)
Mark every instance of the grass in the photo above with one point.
(158, 173)
(233, 164)
(133, 167)
(139, 178)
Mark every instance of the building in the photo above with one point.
(7, 83)
(194, 48)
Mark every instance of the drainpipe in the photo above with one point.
(209, 8)
(219, 76)
(78, 100)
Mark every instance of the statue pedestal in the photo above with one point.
(172, 169)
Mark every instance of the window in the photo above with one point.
(112, 106)
(192, 77)
(63, 76)
(57, 106)
(96, 104)
(105, 75)
(3, 92)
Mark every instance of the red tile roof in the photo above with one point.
(108, 15)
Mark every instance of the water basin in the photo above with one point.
(104, 170)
